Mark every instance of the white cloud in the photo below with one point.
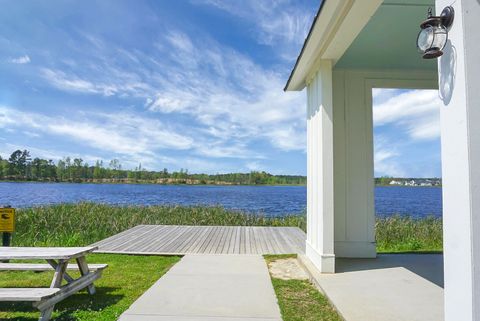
(166, 104)
(288, 137)
(253, 166)
(50, 154)
(173, 88)
(201, 165)
(130, 138)
(20, 60)
(31, 134)
(404, 120)
(180, 41)
(385, 159)
(280, 23)
(426, 128)
(70, 82)
(226, 150)
(226, 92)
(121, 133)
(232, 96)
(415, 111)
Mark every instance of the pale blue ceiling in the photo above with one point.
(388, 41)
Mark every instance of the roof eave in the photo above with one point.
(292, 73)
(334, 28)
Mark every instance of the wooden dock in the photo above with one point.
(180, 240)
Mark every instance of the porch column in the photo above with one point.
(319, 247)
(353, 169)
(459, 79)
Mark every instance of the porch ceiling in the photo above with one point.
(361, 34)
(388, 41)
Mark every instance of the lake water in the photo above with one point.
(269, 200)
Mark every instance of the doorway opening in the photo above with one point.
(407, 170)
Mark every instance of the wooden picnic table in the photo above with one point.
(57, 258)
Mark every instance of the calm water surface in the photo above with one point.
(269, 200)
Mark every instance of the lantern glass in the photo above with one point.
(425, 39)
(440, 37)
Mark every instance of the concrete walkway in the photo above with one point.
(392, 287)
(210, 288)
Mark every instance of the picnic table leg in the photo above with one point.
(83, 266)
(66, 276)
(46, 314)
(58, 276)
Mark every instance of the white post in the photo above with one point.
(459, 79)
(353, 169)
(320, 238)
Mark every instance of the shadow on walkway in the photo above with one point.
(427, 266)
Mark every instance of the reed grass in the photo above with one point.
(85, 223)
(406, 234)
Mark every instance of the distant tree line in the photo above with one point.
(21, 167)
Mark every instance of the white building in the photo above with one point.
(396, 183)
(354, 46)
(410, 183)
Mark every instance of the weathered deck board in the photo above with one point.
(179, 240)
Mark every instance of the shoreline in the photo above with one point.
(179, 183)
(148, 183)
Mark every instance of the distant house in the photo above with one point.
(394, 182)
(410, 183)
(354, 46)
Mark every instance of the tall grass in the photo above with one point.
(85, 223)
(400, 234)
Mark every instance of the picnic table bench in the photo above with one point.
(57, 258)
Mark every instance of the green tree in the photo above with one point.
(20, 166)
(18, 162)
(68, 168)
(164, 173)
(115, 166)
(77, 169)
(4, 167)
(385, 180)
(51, 171)
(36, 168)
(61, 170)
(98, 170)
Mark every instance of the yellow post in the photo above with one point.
(7, 223)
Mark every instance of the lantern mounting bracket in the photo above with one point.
(445, 18)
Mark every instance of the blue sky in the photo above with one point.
(406, 133)
(179, 84)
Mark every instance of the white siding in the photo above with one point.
(459, 78)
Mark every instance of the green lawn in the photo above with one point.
(299, 300)
(126, 278)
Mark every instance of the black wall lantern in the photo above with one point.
(434, 34)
